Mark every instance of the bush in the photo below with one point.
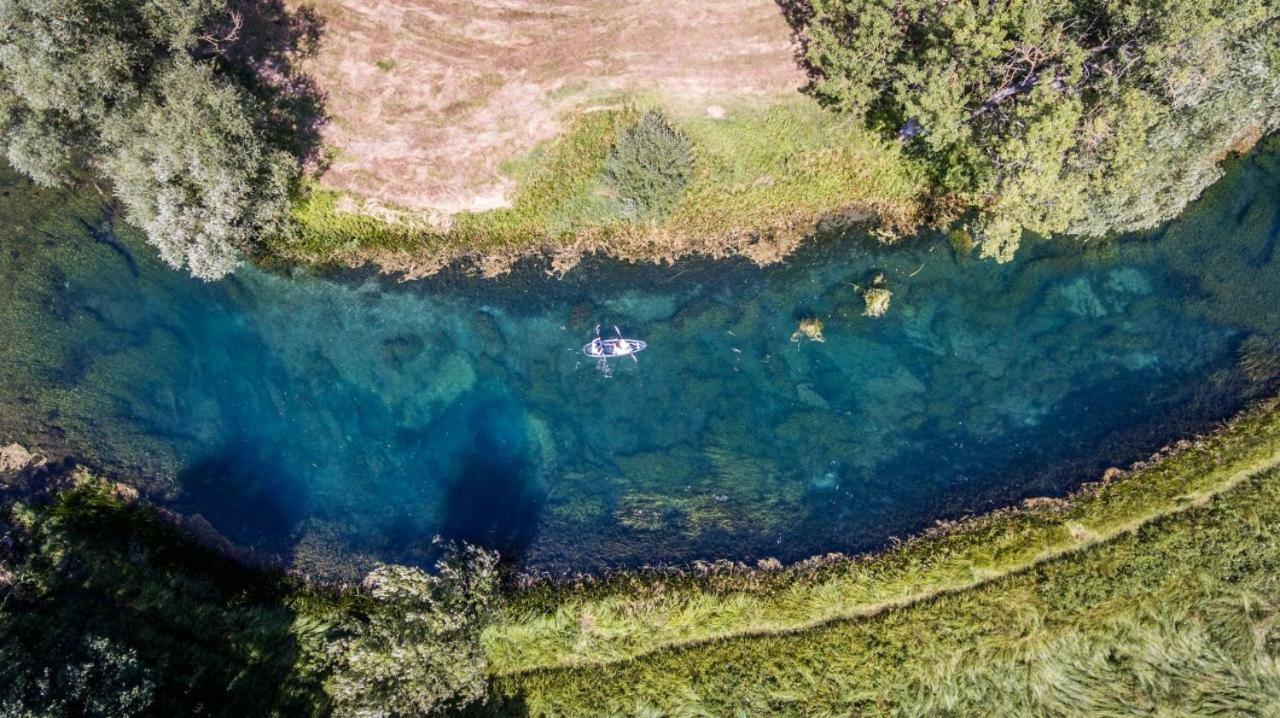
(193, 171)
(419, 652)
(649, 166)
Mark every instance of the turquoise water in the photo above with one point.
(335, 421)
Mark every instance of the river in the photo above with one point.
(335, 421)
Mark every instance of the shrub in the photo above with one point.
(419, 651)
(649, 166)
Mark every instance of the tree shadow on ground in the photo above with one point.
(263, 44)
(798, 13)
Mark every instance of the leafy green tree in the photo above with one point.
(66, 65)
(1055, 115)
(418, 653)
(128, 88)
(194, 172)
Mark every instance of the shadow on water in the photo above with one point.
(494, 497)
(247, 494)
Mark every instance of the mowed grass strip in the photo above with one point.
(618, 620)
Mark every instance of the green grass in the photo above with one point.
(761, 170)
(1170, 606)
(616, 621)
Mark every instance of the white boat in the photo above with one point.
(609, 348)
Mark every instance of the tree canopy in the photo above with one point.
(1073, 116)
(131, 89)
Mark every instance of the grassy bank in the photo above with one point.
(619, 620)
(1178, 617)
(764, 177)
(1155, 591)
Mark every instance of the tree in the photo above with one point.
(418, 652)
(1055, 115)
(128, 88)
(67, 65)
(194, 172)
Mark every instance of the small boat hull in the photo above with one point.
(610, 348)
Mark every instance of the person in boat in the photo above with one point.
(621, 346)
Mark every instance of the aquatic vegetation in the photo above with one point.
(1260, 359)
(810, 328)
(876, 298)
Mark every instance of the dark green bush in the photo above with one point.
(649, 166)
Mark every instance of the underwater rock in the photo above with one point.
(807, 395)
(644, 308)
(453, 377)
(810, 328)
(1127, 280)
(488, 332)
(402, 349)
(1081, 299)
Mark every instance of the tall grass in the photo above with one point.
(1180, 616)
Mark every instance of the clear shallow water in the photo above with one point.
(335, 422)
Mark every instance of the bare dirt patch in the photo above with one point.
(429, 98)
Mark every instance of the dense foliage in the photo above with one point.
(106, 609)
(129, 89)
(1056, 115)
(420, 653)
(188, 166)
(649, 166)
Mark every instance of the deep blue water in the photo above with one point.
(335, 421)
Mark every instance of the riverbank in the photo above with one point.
(1169, 565)
(1172, 607)
(619, 620)
(766, 176)
(783, 128)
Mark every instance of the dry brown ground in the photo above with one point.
(428, 98)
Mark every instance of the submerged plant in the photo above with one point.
(810, 328)
(1260, 359)
(650, 166)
